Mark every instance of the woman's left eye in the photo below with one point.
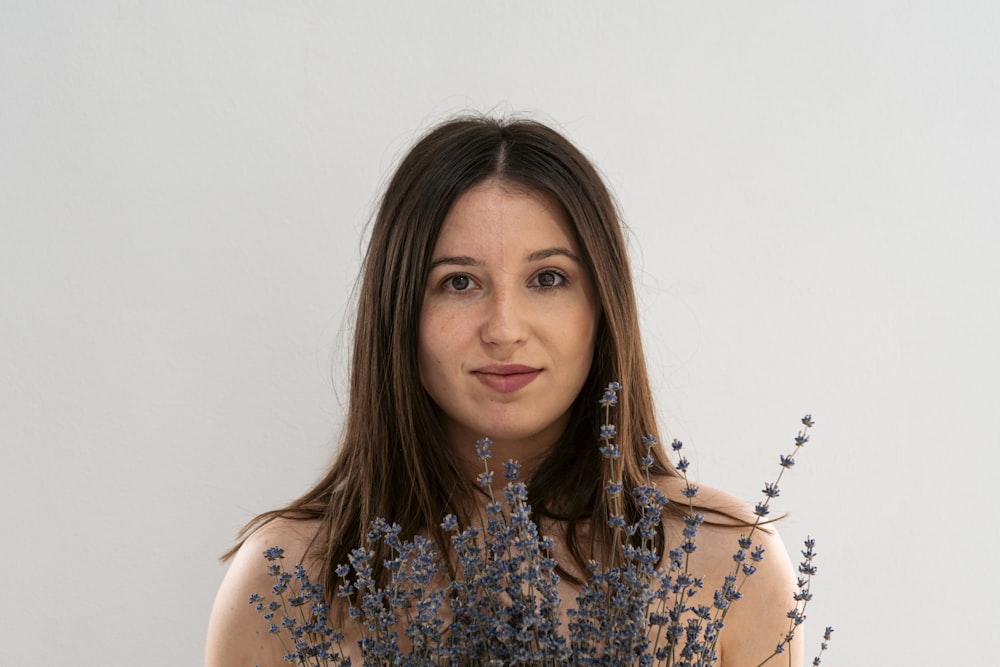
(549, 279)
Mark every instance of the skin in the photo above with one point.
(506, 288)
(756, 623)
(237, 635)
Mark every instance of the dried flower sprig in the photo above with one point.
(823, 646)
(304, 615)
(505, 599)
(503, 605)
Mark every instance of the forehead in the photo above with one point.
(494, 213)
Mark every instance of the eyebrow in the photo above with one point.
(552, 252)
(457, 261)
(465, 260)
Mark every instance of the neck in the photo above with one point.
(528, 454)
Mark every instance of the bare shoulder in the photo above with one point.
(758, 621)
(237, 635)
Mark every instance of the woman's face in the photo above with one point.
(508, 321)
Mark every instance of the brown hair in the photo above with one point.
(392, 462)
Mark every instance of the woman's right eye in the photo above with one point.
(458, 283)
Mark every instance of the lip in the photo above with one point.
(506, 378)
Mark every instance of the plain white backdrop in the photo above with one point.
(812, 192)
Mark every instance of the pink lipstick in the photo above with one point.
(506, 378)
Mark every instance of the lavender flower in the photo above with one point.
(503, 605)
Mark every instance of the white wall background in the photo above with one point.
(813, 193)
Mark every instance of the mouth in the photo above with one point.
(506, 378)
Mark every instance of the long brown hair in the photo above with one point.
(393, 462)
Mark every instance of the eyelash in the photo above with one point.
(561, 281)
(447, 282)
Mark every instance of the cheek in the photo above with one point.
(442, 327)
(433, 344)
(585, 324)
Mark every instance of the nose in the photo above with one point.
(506, 319)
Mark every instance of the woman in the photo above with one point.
(497, 301)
